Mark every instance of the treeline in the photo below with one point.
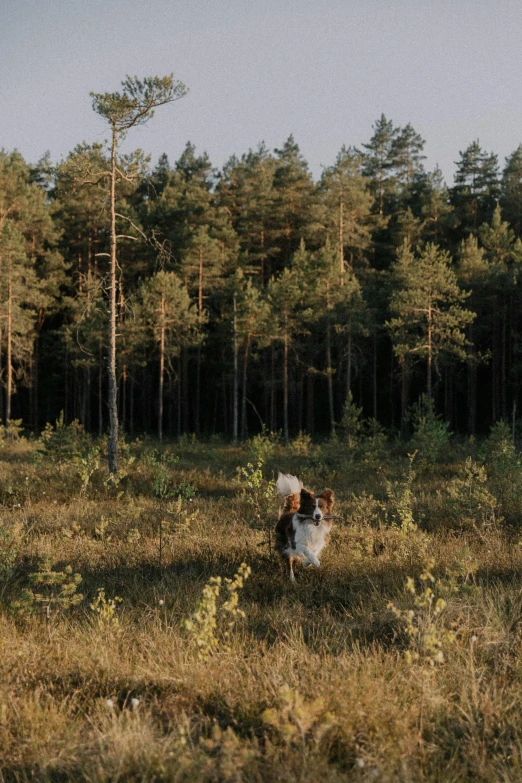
(256, 295)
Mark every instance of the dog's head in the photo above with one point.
(314, 507)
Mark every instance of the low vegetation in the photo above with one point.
(149, 633)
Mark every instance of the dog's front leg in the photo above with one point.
(312, 559)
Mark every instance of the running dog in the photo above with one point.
(303, 528)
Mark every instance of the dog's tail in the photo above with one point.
(287, 484)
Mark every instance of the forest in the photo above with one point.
(256, 297)
(360, 331)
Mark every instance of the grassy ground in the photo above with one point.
(352, 674)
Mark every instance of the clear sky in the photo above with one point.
(323, 70)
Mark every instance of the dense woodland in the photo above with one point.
(254, 295)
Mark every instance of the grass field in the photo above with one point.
(398, 660)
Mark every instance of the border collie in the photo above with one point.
(304, 525)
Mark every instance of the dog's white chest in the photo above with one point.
(309, 536)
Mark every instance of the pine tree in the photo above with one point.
(476, 188)
(18, 312)
(285, 295)
(345, 209)
(134, 106)
(511, 190)
(475, 274)
(379, 163)
(504, 253)
(173, 322)
(245, 191)
(251, 328)
(436, 210)
(406, 152)
(30, 250)
(428, 320)
(293, 193)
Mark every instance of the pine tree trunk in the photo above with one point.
(77, 394)
(84, 391)
(170, 413)
(349, 365)
(472, 397)
(34, 389)
(225, 409)
(430, 355)
(88, 384)
(131, 406)
(235, 380)
(31, 380)
(244, 428)
(178, 424)
(374, 377)
(273, 419)
(161, 369)
(472, 388)
(310, 409)
(123, 420)
(66, 387)
(112, 446)
(200, 283)
(185, 379)
(341, 236)
(1, 384)
(391, 387)
(197, 412)
(503, 391)
(494, 376)
(405, 384)
(285, 381)
(9, 387)
(330, 378)
(300, 400)
(100, 389)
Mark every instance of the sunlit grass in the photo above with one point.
(312, 684)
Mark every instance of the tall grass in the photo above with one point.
(335, 678)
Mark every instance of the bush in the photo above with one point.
(302, 445)
(262, 446)
(504, 468)
(351, 422)
(470, 502)
(63, 442)
(431, 435)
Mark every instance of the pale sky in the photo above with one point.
(257, 70)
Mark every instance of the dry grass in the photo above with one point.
(315, 684)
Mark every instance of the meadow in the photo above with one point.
(149, 632)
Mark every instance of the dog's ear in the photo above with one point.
(290, 503)
(307, 501)
(328, 495)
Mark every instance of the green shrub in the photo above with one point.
(62, 442)
(258, 493)
(11, 433)
(504, 469)
(50, 590)
(163, 485)
(470, 502)
(351, 422)
(401, 499)
(261, 447)
(302, 445)
(431, 434)
(211, 623)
